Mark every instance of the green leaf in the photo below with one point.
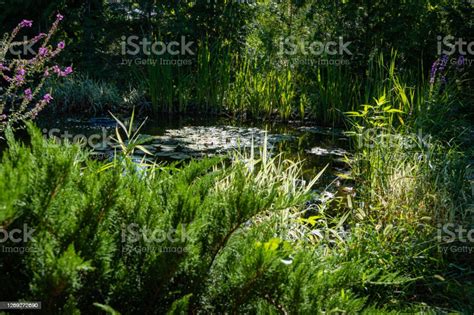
(107, 309)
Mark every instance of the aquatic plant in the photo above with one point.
(260, 90)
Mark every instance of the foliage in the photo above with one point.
(84, 95)
(245, 38)
(408, 179)
(99, 241)
(22, 79)
(242, 233)
(261, 90)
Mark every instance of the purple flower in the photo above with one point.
(434, 68)
(2, 67)
(19, 80)
(59, 17)
(21, 72)
(26, 23)
(61, 45)
(3, 117)
(56, 69)
(64, 73)
(38, 37)
(43, 51)
(68, 70)
(444, 62)
(47, 98)
(46, 73)
(28, 94)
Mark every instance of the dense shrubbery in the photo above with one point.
(238, 243)
(235, 40)
(242, 234)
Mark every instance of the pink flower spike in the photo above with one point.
(61, 45)
(68, 70)
(43, 51)
(26, 23)
(19, 80)
(59, 17)
(56, 70)
(46, 73)
(47, 98)
(28, 94)
(38, 37)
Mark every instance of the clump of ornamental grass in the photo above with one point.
(409, 184)
(410, 180)
(401, 168)
(82, 94)
(23, 79)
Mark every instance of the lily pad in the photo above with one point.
(327, 151)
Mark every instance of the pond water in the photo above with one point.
(178, 138)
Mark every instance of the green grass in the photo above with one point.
(82, 94)
(198, 87)
(159, 84)
(260, 90)
(413, 181)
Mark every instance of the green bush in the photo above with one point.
(232, 248)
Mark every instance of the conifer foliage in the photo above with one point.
(212, 237)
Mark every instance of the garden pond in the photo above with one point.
(176, 138)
